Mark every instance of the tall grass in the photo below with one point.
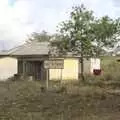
(74, 100)
(110, 76)
(111, 69)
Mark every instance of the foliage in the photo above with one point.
(85, 34)
(106, 33)
(75, 34)
(111, 70)
(39, 37)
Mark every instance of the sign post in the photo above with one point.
(53, 64)
(47, 78)
(61, 77)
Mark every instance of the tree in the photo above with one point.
(106, 33)
(84, 34)
(76, 33)
(39, 37)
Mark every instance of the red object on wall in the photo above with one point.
(97, 71)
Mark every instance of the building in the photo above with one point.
(30, 62)
(8, 67)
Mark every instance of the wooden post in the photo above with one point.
(47, 79)
(61, 77)
(24, 69)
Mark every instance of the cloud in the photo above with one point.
(116, 3)
(11, 2)
(13, 19)
(22, 17)
(101, 7)
(19, 18)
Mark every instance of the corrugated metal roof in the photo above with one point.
(33, 48)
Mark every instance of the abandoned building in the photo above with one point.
(30, 59)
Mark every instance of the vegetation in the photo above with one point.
(85, 34)
(97, 99)
(111, 68)
(82, 34)
(39, 37)
(110, 75)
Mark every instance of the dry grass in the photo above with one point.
(23, 100)
(94, 99)
(110, 73)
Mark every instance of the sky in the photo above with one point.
(19, 18)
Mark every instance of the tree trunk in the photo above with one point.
(82, 67)
(82, 63)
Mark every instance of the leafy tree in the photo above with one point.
(76, 33)
(85, 35)
(39, 37)
(106, 33)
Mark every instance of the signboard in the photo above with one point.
(54, 64)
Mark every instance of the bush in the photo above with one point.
(112, 71)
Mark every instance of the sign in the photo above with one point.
(54, 64)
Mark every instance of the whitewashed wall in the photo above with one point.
(70, 71)
(72, 68)
(95, 64)
(87, 65)
(8, 67)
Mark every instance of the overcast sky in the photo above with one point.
(19, 18)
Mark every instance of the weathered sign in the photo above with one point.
(54, 64)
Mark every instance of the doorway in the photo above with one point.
(36, 69)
